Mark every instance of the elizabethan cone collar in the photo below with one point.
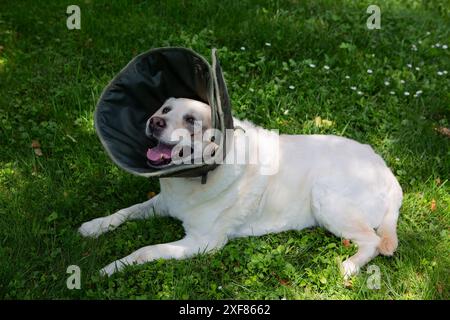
(141, 88)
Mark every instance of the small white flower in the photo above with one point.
(326, 67)
(445, 71)
(409, 65)
(402, 81)
(386, 83)
(432, 46)
(438, 45)
(445, 47)
(284, 298)
(428, 33)
(353, 88)
(312, 65)
(369, 71)
(417, 68)
(251, 90)
(286, 112)
(397, 159)
(391, 92)
(419, 42)
(268, 44)
(419, 92)
(406, 93)
(243, 48)
(440, 73)
(219, 287)
(291, 87)
(413, 47)
(347, 77)
(360, 93)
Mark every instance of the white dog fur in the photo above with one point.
(323, 180)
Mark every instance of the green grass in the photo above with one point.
(51, 78)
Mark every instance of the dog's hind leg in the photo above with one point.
(353, 228)
(344, 218)
(143, 210)
(367, 241)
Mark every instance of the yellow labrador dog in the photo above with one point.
(321, 180)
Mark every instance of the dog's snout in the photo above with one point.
(157, 122)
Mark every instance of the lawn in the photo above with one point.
(298, 66)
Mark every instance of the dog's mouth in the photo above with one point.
(164, 154)
(160, 155)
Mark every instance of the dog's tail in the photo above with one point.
(387, 230)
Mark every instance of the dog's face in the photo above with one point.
(175, 114)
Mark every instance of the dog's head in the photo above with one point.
(175, 115)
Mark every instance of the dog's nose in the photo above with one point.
(157, 122)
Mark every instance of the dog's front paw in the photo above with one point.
(109, 269)
(114, 267)
(349, 269)
(95, 227)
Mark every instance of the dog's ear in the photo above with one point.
(169, 100)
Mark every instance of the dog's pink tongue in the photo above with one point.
(161, 151)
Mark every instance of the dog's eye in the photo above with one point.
(190, 120)
(166, 110)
